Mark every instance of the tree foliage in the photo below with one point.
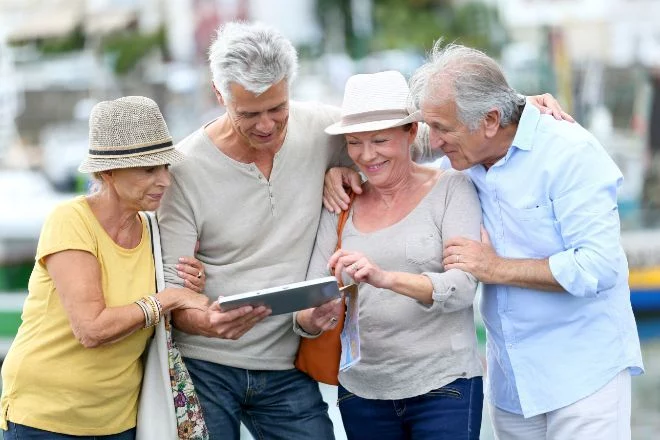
(130, 47)
(416, 24)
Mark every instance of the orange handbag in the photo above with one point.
(320, 357)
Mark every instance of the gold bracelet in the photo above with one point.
(160, 306)
(145, 311)
(154, 309)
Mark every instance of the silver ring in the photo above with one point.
(458, 258)
(333, 320)
(199, 275)
(354, 266)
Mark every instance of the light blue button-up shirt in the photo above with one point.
(554, 195)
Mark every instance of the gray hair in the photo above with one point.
(476, 84)
(252, 55)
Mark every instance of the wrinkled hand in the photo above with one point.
(358, 267)
(191, 271)
(232, 324)
(335, 198)
(549, 105)
(189, 299)
(477, 258)
(321, 318)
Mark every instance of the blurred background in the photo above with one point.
(600, 58)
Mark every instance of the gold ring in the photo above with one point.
(199, 275)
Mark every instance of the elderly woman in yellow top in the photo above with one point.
(75, 366)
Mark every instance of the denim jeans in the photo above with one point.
(284, 405)
(452, 412)
(22, 432)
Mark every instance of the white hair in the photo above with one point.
(475, 83)
(252, 55)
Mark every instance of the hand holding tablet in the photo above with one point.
(287, 298)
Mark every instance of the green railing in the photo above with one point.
(11, 306)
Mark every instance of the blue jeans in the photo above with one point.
(22, 432)
(452, 412)
(284, 405)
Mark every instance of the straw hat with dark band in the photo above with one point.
(128, 132)
(374, 101)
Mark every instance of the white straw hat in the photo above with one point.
(128, 132)
(374, 101)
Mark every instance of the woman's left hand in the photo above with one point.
(549, 105)
(191, 271)
(359, 267)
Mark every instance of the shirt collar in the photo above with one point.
(529, 119)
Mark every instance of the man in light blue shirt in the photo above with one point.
(562, 341)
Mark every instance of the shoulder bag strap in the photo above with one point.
(343, 218)
(154, 234)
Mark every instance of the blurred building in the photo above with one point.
(601, 58)
(617, 32)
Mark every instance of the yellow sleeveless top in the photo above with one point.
(52, 382)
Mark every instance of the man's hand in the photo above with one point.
(233, 324)
(549, 105)
(321, 318)
(335, 198)
(216, 323)
(477, 258)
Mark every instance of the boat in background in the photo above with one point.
(643, 251)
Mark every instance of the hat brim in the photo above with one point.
(339, 128)
(170, 156)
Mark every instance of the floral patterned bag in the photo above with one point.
(189, 417)
(168, 408)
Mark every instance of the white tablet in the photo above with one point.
(287, 298)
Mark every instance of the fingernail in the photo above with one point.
(181, 259)
(338, 300)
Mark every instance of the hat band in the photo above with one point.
(130, 151)
(372, 116)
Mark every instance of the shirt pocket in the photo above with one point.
(536, 231)
(422, 248)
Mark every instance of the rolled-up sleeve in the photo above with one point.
(588, 218)
(452, 290)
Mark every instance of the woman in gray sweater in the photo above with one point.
(419, 376)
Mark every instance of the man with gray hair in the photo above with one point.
(250, 192)
(562, 341)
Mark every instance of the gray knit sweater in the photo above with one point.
(409, 348)
(253, 233)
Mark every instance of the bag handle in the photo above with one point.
(343, 218)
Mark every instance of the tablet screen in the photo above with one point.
(286, 298)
